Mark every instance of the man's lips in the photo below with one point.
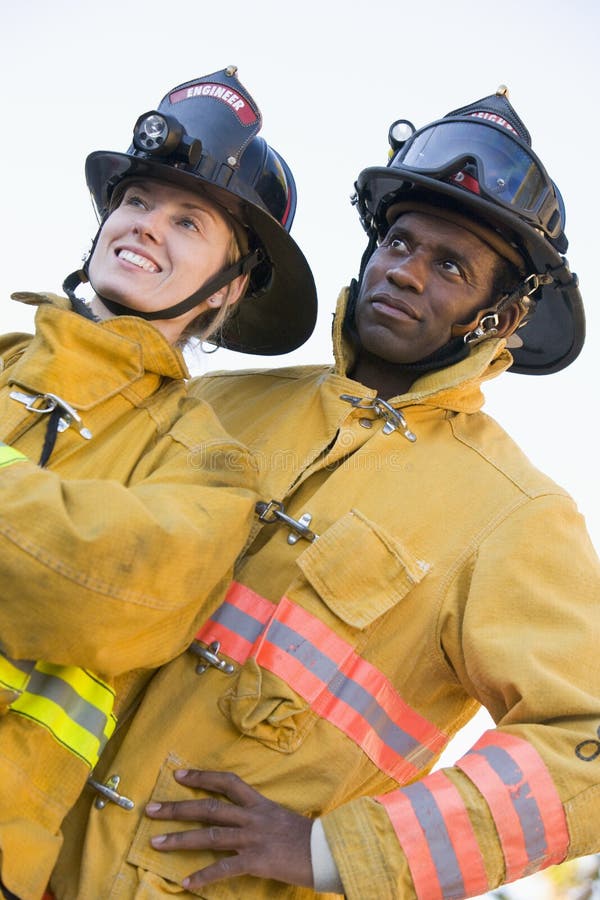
(138, 259)
(393, 306)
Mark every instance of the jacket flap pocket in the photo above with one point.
(262, 706)
(360, 570)
(158, 874)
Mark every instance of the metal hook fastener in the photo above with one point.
(109, 793)
(211, 657)
(533, 282)
(274, 511)
(393, 418)
(47, 403)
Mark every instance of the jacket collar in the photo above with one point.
(89, 360)
(456, 387)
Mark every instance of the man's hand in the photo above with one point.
(267, 840)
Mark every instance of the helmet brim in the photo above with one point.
(555, 334)
(276, 321)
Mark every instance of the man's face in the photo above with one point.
(427, 275)
(158, 246)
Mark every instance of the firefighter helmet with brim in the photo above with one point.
(204, 136)
(478, 160)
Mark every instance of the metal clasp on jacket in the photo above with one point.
(274, 511)
(393, 418)
(108, 793)
(44, 404)
(211, 657)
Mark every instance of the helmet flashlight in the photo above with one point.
(157, 134)
(154, 130)
(160, 135)
(400, 131)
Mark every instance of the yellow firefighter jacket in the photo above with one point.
(447, 572)
(112, 554)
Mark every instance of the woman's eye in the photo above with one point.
(189, 224)
(134, 200)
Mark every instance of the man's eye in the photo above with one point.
(450, 266)
(397, 243)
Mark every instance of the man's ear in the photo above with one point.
(509, 320)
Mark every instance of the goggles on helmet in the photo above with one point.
(507, 171)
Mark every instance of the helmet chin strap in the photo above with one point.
(243, 266)
(486, 323)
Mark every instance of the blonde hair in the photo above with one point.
(211, 321)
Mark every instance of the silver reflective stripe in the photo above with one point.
(438, 840)
(72, 704)
(60, 692)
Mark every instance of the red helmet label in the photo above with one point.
(467, 181)
(238, 104)
(493, 117)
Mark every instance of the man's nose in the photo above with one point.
(407, 272)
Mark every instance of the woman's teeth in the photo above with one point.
(137, 260)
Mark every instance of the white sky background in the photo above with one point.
(329, 76)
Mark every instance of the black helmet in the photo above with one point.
(204, 133)
(478, 160)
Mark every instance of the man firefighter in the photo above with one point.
(124, 503)
(408, 565)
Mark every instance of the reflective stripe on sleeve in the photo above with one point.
(523, 801)
(71, 703)
(14, 673)
(436, 835)
(9, 455)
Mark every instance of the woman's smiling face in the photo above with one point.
(158, 247)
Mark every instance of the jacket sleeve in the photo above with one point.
(519, 628)
(111, 578)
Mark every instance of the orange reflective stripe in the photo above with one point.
(323, 669)
(238, 622)
(434, 830)
(415, 845)
(523, 801)
(347, 691)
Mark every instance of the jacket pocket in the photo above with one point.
(159, 874)
(308, 657)
(171, 868)
(359, 570)
(263, 706)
